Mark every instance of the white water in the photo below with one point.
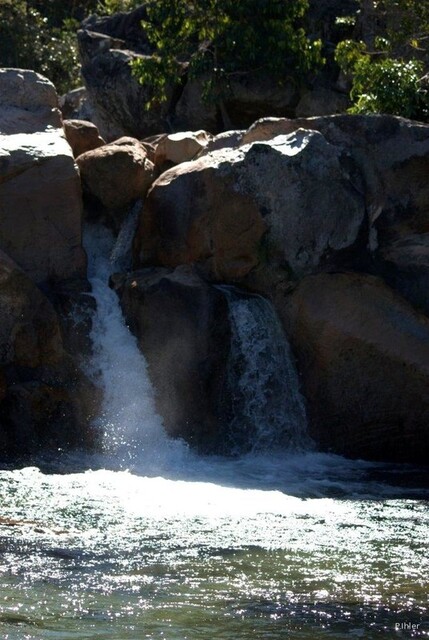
(121, 254)
(268, 407)
(132, 430)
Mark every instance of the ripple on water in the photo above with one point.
(177, 558)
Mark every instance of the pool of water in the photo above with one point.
(305, 546)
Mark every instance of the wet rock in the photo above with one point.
(182, 327)
(363, 353)
(41, 401)
(404, 264)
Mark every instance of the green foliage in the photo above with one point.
(405, 25)
(223, 39)
(42, 36)
(107, 7)
(387, 71)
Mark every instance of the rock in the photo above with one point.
(255, 95)
(82, 136)
(191, 112)
(405, 267)
(225, 140)
(391, 155)
(192, 215)
(321, 102)
(41, 399)
(75, 105)
(39, 182)
(214, 211)
(117, 100)
(176, 148)
(183, 330)
(363, 353)
(29, 331)
(28, 102)
(115, 176)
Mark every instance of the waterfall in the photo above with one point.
(267, 407)
(132, 430)
(121, 254)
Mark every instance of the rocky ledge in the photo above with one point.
(328, 217)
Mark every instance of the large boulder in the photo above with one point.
(216, 210)
(183, 330)
(114, 176)
(40, 192)
(391, 155)
(28, 102)
(41, 398)
(363, 353)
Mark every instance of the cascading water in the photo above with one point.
(121, 254)
(218, 548)
(132, 430)
(267, 406)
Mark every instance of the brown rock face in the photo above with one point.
(29, 332)
(364, 356)
(40, 193)
(114, 176)
(40, 403)
(183, 330)
(190, 217)
(215, 211)
(82, 136)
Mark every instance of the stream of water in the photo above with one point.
(151, 541)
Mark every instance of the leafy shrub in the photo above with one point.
(224, 39)
(45, 42)
(381, 84)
